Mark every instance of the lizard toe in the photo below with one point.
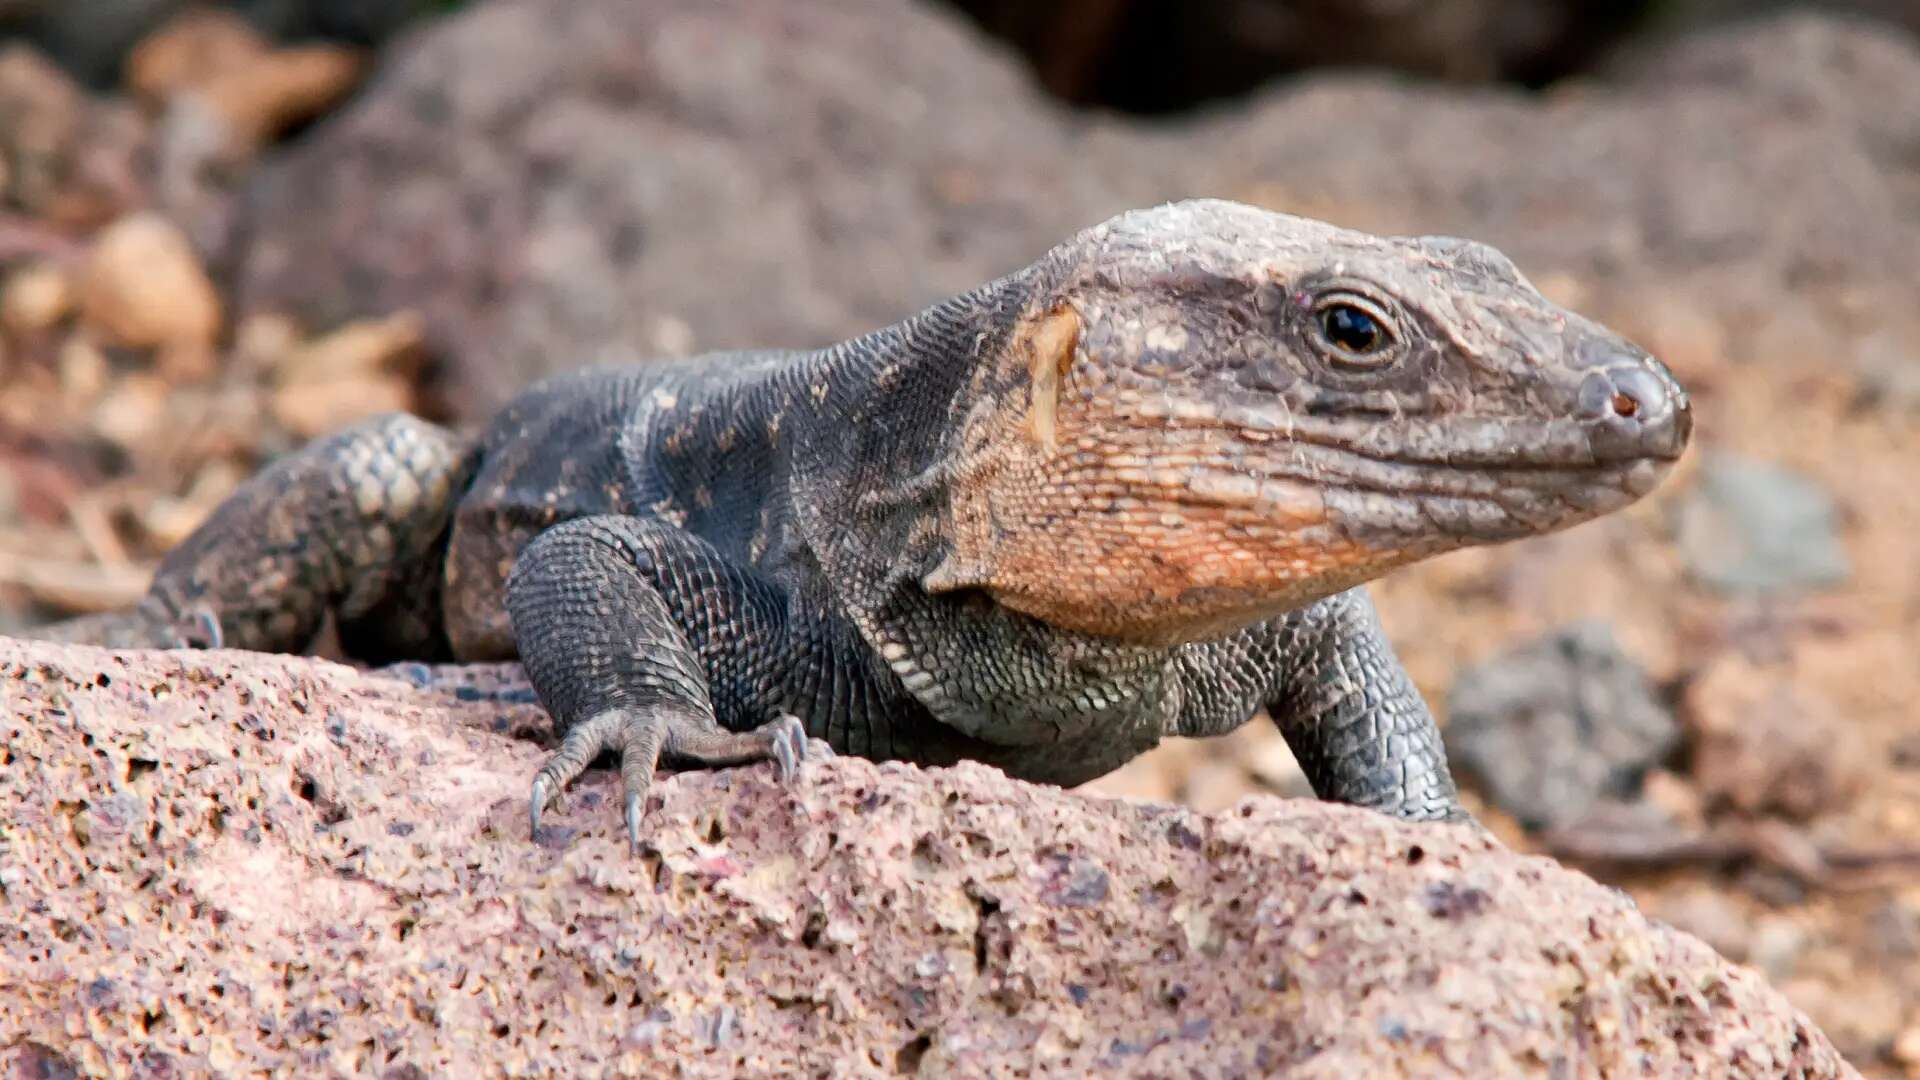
(583, 743)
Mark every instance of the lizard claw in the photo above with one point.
(197, 629)
(209, 628)
(635, 801)
(789, 746)
(542, 791)
(582, 744)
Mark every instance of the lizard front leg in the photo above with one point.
(348, 523)
(1352, 716)
(643, 639)
(1330, 680)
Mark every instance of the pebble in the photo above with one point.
(1755, 527)
(1553, 726)
(143, 286)
(36, 298)
(257, 91)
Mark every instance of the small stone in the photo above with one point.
(263, 339)
(1906, 1047)
(1552, 727)
(184, 51)
(1754, 527)
(143, 286)
(83, 369)
(312, 409)
(257, 90)
(392, 344)
(1679, 801)
(36, 298)
(133, 410)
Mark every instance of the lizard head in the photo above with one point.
(1211, 414)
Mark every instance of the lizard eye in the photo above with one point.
(1358, 336)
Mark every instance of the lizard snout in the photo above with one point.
(1635, 409)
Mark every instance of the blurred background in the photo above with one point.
(224, 230)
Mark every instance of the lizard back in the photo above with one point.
(694, 442)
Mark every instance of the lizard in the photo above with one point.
(1133, 490)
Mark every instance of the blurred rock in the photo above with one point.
(1906, 1049)
(216, 60)
(311, 409)
(92, 38)
(1153, 56)
(1553, 727)
(87, 37)
(83, 369)
(1762, 743)
(68, 160)
(187, 49)
(553, 187)
(604, 180)
(133, 411)
(143, 286)
(359, 370)
(390, 344)
(1725, 18)
(1751, 526)
(34, 298)
(1674, 799)
(1729, 197)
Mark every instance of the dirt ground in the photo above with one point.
(132, 399)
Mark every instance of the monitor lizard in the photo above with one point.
(1133, 490)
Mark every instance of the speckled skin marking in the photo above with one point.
(1127, 492)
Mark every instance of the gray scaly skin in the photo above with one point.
(1128, 492)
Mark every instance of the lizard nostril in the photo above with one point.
(1635, 410)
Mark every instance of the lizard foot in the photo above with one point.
(642, 737)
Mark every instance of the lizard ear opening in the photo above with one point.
(1048, 343)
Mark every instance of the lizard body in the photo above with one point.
(1130, 491)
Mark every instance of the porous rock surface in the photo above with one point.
(224, 862)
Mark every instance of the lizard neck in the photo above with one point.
(873, 451)
(875, 463)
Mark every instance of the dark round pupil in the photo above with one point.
(1350, 328)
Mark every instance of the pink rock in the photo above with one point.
(227, 862)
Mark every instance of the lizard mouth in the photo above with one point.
(1500, 491)
(1452, 506)
(1405, 481)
